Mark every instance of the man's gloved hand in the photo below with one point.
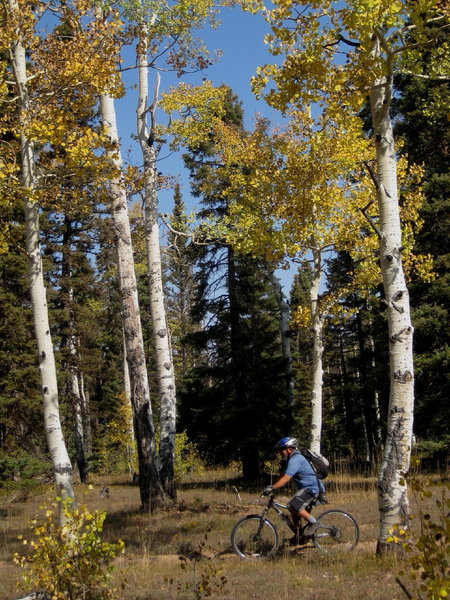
(268, 490)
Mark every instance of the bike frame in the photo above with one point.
(277, 507)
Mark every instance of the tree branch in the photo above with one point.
(429, 77)
(405, 590)
(341, 38)
(191, 234)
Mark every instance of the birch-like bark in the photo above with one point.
(73, 373)
(78, 422)
(86, 416)
(55, 440)
(317, 353)
(127, 393)
(164, 361)
(283, 325)
(149, 482)
(392, 488)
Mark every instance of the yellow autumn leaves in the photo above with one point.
(302, 187)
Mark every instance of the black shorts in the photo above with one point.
(301, 499)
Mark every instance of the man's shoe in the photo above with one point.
(299, 540)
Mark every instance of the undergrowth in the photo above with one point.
(427, 561)
(69, 562)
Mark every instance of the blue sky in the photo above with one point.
(240, 37)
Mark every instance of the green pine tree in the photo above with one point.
(234, 402)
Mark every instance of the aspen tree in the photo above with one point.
(20, 21)
(160, 26)
(149, 481)
(164, 360)
(336, 55)
(297, 208)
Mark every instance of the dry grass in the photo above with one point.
(200, 524)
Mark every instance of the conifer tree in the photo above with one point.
(180, 255)
(20, 396)
(231, 404)
(421, 110)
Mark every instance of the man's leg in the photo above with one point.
(297, 515)
(298, 511)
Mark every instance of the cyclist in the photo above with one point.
(308, 484)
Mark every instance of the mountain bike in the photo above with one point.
(255, 536)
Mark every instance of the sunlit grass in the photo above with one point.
(198, 526)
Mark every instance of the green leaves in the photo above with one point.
(72, 561)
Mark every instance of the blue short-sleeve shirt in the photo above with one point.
(303, 474)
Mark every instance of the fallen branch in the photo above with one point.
(36, 596)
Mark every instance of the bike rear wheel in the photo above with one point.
(336, 530)
(254, 537)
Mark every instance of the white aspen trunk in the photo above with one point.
(164, 360)
(55, 440)
(127, 393)
(126, 371)
(283, 324)
(77, 409)
(376, 399)
(363, 415)
(149, 481)
(392, 488)
(86, 416)
(317, 352)
(78, 423)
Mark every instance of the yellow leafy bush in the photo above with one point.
(71, 561)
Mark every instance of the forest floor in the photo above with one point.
(184, 551)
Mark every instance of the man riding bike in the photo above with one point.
(308, 484)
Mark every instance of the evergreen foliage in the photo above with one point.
(301, 350)
(233, 401)
(180, 256)
(422, 121)
(20, 400)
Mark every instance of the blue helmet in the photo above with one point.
(286, 442)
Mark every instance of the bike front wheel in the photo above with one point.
(254, 537)
(336, 530)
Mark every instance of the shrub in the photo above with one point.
(22, 471)
(187, 457)
(69, 562)
(427, 552)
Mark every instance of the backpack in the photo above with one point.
(319, 463)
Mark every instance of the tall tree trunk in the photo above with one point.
(69, 342)
(86, 416)
(149, 482)
(127, 394)
(78, 422)
(392, 488)
(285, 345)
(55, 440)
(317, 353)
(376, 429)
(164, 360)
